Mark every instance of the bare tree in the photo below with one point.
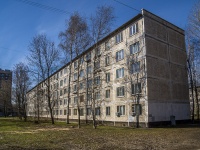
(76, 36)
(21, 83)
(43, 60)
(193, 55)
(101, 23)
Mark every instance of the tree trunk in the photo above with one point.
(192, 90)
(49, 100)
(68, 92)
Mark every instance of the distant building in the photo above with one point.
(140, 68)
(5, 92)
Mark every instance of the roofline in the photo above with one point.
(161, 19)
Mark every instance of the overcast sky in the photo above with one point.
(20, 21)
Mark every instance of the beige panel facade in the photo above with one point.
(143, 69)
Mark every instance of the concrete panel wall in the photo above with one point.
(163, 111)
(167, 83)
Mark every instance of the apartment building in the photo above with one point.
(137, 74)
(5, 92)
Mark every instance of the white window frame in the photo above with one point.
(119, 38)
(134, 48)
(120, 91)
(135, 67)
(133, 29)
(120, 55)
(108, 93)
(120, 73)
(136, 88)
(121, 109)
(108, 111)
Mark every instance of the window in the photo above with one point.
(97, 64)
(118, 38)
(120, 73)
(60, 102)
(136, 88)
(97, 52)
(81, 85)
(120, 91)
(65, 101)
(121, 109)
(60, 112)
(61, 82)
(107, 111)
(61, 73)
(65, 70)
(75, 88)
(65, 112)
(65, 81)
(82, 98)
(134, 48)
(137, 109)
(81, 112)
(97, 80)
(89, 83)
(89, 69)
(88, 56)
(60, 92)
(56, 112)
(89, 98)
(81, 73)
(75, 111)
(97, 111)
(108, 93)
(75, 76)
(75, 100)
(88, 111)
(81, 60)
(97, 95)
(135, 67)
(120, 55)
(107, 77)
(107, 60)
(75, 64)
(65, 91)
(107, 45)
(133, 29)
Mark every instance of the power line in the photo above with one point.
(42, 6)
(127, 5)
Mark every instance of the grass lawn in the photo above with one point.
(16, 134)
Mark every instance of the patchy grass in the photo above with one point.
(16, 134)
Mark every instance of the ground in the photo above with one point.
(16, 134)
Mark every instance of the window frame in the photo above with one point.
(134, 46)
(133, 29)
(120, 55)
(108, 111)
(135, 67)
(108, 93)
(121, 109)
(136, 86)
(120, 73)
(119, 38)
(119, 92)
